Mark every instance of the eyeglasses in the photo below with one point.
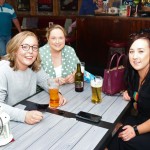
(26, 47)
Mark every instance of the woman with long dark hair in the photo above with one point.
(134, 134)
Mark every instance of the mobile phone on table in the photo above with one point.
(88, 117)
(42, 107)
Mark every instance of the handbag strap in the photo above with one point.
(114, 55)
(120, 57)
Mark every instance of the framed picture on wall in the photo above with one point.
(45, 5)
(69, 5)
(23, 5)
(127, 2)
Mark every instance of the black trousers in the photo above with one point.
(140, 142)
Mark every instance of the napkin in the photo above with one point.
(88, 76)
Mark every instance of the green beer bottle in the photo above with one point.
(79, 80)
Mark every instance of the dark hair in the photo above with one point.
(135, 36)
(131, 74)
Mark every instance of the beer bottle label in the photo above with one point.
(79, 84)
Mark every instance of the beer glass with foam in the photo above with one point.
(96, 87)
(54, 93)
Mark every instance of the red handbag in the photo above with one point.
(113, 81)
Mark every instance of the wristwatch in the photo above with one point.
(136, 130)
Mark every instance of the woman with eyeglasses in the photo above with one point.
(134, 134)
(58, 59)
(20, 73)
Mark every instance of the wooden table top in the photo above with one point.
(58, 132)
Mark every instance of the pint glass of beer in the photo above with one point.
(96, 86)
(54, 93)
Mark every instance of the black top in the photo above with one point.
(143, 98)
(141, 141)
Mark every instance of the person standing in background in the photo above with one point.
(7, 16)
(88, 7)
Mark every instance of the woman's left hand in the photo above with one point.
(60, 80)
(127, 133)
(126, 96)
(62, 100)
(70, 78)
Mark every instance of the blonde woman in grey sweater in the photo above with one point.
(20, 74)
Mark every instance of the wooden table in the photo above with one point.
(59, 130)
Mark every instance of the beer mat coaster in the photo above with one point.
(35, 106)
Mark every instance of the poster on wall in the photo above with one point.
(45, 5)
(23, 5)
(69, 5)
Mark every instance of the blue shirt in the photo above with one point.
(7, 14)
(87, 7)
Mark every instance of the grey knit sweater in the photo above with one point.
(16, 86)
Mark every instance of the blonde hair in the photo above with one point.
(55, 26)
(13, 46)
